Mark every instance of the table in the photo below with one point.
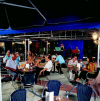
(64, 99)
(24, 70)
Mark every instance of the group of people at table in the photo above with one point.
(12, 63)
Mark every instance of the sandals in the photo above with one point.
(77, 80)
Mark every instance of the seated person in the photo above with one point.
(7, 56)
(12, 66)
(90, 68)
(61, 61)
(44, 70)
(32, 55)
(30, 61)
(71, 65)
(42, 60)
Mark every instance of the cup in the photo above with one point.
(22, 65)
(59, 98)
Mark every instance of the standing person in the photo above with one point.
(12, 66)
(77, 54)
(46, 69)
(71, 65)
(17, 58)
(62, 49)
(61, 61)
(88, 68)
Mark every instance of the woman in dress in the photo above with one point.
(88, 68)
(30, 61)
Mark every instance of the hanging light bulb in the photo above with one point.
(96, 42)
(48, 43)
(95, 36)
(23, 42)
(30, 42)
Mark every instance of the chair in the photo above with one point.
(93, 77)
(53, 85)
(63, 65)
(28, 80)
(7, 76)
(84, 93)
(20, 95)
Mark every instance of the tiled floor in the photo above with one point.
(8, 89)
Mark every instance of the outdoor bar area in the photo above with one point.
(49, 51)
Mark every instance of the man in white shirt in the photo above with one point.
(71, 65)
(12, 66)
(44, 70)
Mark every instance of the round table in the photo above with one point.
(24, 70)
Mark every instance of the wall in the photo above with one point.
(71, 44)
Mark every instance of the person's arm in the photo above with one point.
(85, 66)
(10, 68)
(78, 51)
(90, 70)
(42, 71)
(63, 47)
(70, 66)
(19, 58)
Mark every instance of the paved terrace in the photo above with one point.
(8, 89)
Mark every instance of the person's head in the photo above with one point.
(29, 57)
(76, 47)
(57, 53)
(44, 53)
(89, 58)
(47, 54)
(13, 56)
(48, 57)
(74, 58)
(61, 44)
(17, 54)
(30, 52)
(8, 53)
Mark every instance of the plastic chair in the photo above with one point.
(53, 85)
(84, 93)
(28, 80)
(7, 76)
(20, 95)
(93, 77)
(63, 65)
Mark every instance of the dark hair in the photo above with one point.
(57, 53)
(44, 53)
(49, 57)
(48, 54)
(90, 58)
(73, 56)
